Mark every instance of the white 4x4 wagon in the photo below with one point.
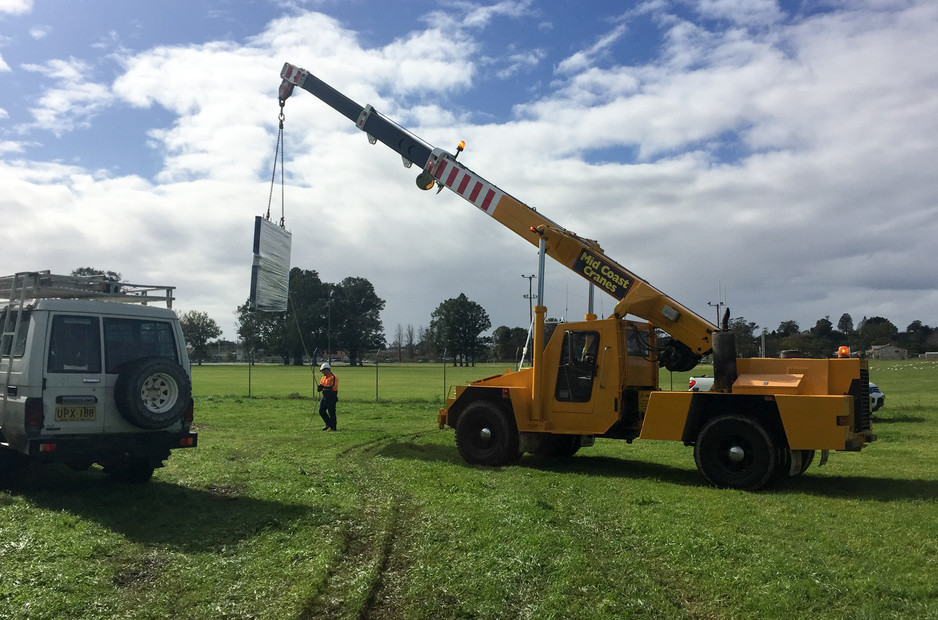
(92, 373)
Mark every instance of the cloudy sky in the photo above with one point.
(778, 156)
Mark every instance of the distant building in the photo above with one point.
(888, 352)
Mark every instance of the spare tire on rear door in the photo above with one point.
(152, 392)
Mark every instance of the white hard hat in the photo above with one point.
(325, 366)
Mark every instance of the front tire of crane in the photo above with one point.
(486, 435)
(737, 452)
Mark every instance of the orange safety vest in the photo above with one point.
(330, 384)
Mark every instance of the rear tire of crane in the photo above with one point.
(797, 462)
(486, 435)
(737, 452)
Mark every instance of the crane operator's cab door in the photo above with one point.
(583, 390)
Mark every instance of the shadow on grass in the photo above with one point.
(162, 513)
(577, 465)
(898, 418)
(875, 489)
(611, 467)
(862, 487)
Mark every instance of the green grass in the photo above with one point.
(271, 518)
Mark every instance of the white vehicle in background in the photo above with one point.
(877, 398)
(699, 384)
(92, 374)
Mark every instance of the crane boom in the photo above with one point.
(583, 256)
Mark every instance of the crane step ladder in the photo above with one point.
(26, 287)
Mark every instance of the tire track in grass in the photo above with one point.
(365, 582)
(373, 447)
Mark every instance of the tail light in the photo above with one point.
(691, 384)
(33, 420)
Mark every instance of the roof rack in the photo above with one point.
(30, 285)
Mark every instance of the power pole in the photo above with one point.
(530, 297)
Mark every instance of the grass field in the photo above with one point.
(271, 518)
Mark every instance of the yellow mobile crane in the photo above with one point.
(764, 418)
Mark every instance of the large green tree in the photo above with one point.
(320, 316)
(507, 341)
(306, 324)
(845, 324)
(877, 330)
(300, 330)
(457, 325)
(916, 337)
(746, 344)
(356, 318)
(198, 328)
(260, 332)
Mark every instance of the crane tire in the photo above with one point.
(737, 452)
(486, 435)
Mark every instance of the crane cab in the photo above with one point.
(592, 378)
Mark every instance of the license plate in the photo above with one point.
(75, 414)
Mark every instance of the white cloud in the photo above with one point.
(467, 15)
(743, 12)
(585, 59)
(73, 102)
(792, 162)
(16, 7)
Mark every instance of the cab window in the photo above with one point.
(577, 368)
(75, 345)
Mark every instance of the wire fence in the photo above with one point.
(375, 382)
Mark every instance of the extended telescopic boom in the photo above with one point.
(584, 256)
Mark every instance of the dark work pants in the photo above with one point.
(327, 411)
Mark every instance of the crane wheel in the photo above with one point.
(796, 462)
(737, 452)
(486, 435)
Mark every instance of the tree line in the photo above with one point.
(824, 338)
(325, 317)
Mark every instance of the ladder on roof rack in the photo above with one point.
(31, 285)
(8, 337)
